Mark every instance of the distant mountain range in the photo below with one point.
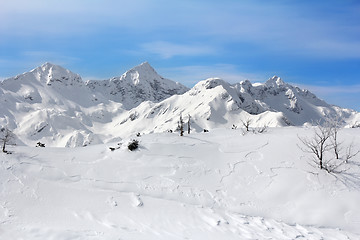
(55, 106)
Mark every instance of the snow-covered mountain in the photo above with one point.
(52, 103)
(55, 106)
(214, 103)
(141, 83)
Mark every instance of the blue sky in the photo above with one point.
(315, 44)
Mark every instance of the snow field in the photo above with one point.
(216, 185)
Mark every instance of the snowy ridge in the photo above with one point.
(55, 106)
(214, 103)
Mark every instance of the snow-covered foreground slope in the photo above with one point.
(216, 185)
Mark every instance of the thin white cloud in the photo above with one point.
(287, 28)
(328, 90)
(28, 60)
(343, 96)
(333, 48)
(168, 50)
(68, 17)
(40, 57)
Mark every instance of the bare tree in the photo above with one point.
(181, 126)
(7, 138)
(350, 153)
(328, 152)
(335, 125)
(188, 124)
(246, 123)
(318, 144)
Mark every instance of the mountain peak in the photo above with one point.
(141, 83)
(50, 73)
(144, 69)
(145, 75)
(145, 64)
(48, 65)
(211, 83)
(275, 81)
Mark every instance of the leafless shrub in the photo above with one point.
(262, 129)
(327, 151)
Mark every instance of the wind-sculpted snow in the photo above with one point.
(53, 105)
(216, 185)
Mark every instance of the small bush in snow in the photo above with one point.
(261, 129)
(39, 144)
(356, 125)
(133, 145)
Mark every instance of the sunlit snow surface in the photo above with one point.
(216, 185)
